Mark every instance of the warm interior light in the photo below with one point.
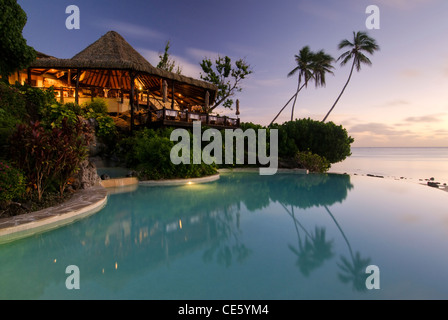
(180, 223)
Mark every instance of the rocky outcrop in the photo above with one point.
(87, 176)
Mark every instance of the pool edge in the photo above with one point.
(83, 204)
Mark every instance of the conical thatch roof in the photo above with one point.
(108, 61)
(112, 51)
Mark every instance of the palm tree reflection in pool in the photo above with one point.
(355, 270)
(315, 249)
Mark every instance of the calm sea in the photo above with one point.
(399, 163)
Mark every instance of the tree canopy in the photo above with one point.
(166, 63)
(226, 76)
(15, 54)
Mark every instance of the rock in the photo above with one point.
(105, 176)
(433, 184)
(131, 174)
(288, 163)
(372, 175)
(87, 176)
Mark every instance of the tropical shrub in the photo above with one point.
(105, 127)
(12, 182)
(31, 149)
(97, 106)
(55, 114)
(327, 139)
(149, 153)
(312, 162)
(70, 143)
(49, 156)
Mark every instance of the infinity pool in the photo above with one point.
(245, 236)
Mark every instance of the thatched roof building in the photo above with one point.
(112, 64)
(111, 61)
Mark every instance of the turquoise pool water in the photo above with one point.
(244, 236)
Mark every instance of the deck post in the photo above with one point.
(163, 113)
(29, 76)
(131, 99)
(172, 95)
(61, 93)
(78, 74)
(207, 101)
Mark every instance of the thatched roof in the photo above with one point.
(107, 61)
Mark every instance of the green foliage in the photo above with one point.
(312, 162)
(96, 106)
(54, 115)
(166, 63)
(149, 153)
(97, 109)
(15, 54)
(226, 77)
(12, 101)
(12, 183)
(12, 111)
(37, 100)
(327, 140)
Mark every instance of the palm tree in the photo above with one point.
(322, 65)
(361, 43)
(304, 61)
(310, 66)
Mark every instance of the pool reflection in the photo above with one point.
(154, 226)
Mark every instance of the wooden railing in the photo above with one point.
(169, 115)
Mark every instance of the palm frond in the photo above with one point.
(293, 71)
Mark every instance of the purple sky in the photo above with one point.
(401, 100)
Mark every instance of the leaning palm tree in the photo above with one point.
(304, 67)
(361, 43)
(310, 66)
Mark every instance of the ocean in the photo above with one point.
(414, 164)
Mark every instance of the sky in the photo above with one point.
(401, 100)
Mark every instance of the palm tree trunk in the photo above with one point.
(342, 232)
(348, 80)
(295, 95)
(294, 103)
